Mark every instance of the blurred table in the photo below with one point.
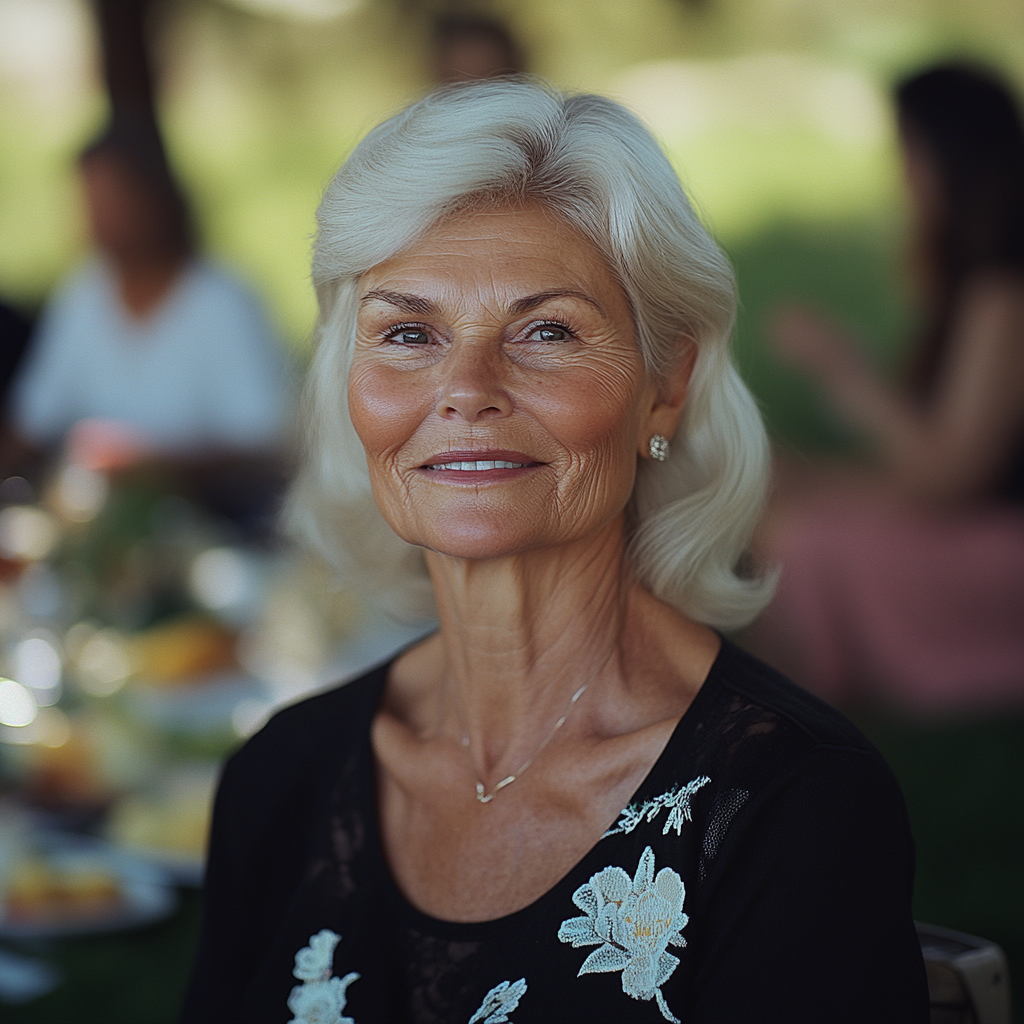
(142, 639)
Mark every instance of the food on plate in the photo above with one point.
(173, 822)
(183, 650)
(38, 891)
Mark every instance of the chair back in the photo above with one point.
(968, 977)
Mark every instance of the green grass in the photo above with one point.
(964, 786)
(134, 977)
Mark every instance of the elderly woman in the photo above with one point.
(575, 801)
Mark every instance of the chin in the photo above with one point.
(479, 540)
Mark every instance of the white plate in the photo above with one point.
(146, 893)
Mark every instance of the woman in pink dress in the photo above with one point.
(906, 584)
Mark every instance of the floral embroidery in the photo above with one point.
(320, 998)
(678, 800)
(632, 921)
(500, 1002)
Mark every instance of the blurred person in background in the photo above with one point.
(148, 358)
(473, 47)
(907, 582)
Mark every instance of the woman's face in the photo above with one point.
(126, 219)
(497, 386)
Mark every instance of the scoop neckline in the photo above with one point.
(468, 930)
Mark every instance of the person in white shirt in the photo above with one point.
(148, 355)
(200, 371)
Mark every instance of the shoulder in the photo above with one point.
(749, 679)
(302, 747)
(802, 835)
(791, 780)
(766, 737)
(218, 306)
(87, 285)
(73, 328)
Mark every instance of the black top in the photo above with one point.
(762, 872)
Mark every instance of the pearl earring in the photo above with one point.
(658, 448)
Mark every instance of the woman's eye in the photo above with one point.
(409, 336)
(548, 332)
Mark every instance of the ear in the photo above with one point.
(668, 399)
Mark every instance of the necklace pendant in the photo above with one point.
(481, 794)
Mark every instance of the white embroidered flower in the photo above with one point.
(632, 921)
(320, 998)
(677, 800)
(500, 1002)
(321, 1002)
(315, 961)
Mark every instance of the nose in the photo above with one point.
(473, 388)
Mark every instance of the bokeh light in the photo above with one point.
(220, 578)
(17, 704)
(80, 493)
(27, 532)
(37, 664)
(145, 638)
(103, 663)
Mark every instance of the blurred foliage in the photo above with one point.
(261, 108)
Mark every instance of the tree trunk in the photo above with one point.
(127, 68)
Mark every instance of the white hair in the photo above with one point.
(591, 162)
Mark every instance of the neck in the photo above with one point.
(144, 281)
(521, 635)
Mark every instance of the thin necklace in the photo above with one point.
(481, 794)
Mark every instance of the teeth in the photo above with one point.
(479, 466)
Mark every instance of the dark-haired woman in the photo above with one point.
(913, 576)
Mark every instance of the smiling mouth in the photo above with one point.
(493, 463)
(479, 466)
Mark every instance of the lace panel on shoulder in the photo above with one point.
(725, 809)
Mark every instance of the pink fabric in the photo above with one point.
(887, 602)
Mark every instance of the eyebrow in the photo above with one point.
(417, 305)
(524, 305)
(408, 303)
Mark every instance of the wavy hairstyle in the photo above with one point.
(590, 161)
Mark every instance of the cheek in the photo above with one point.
(385, 408)
(595, 415)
